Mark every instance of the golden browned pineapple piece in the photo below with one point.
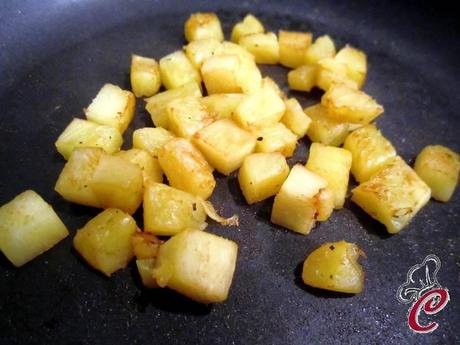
(176, 70)
(112, 107)
(198, 265)
(249, 25)
(151, 170)
(356, 62)
(203, 25)
(295, 118)
(334, 266)
(151, 139)
(330, 71)
(303, 78)
(186, 168)
(29, 227)
(221, 74)
(323, 129)
(264, 47)
(145, 76)
(225, 145)
(393, 195)
(276, 138)
(322, 48)
(262, 175)
(293, 47)
(105, 241)
(222, 105)
(198, 51)
(438, 166)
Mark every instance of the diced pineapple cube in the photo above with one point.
(156, 105)
(83, 133)
(151, 170)
(145, 76)
(295, 118)
(438, 166)
(151, 139)
(393, 195)
(198, 51)
(347, 104)
(356, 63)
(330, 72)
(333, 164)
(225, 145)
(187, 115)
(176, 70)
(262, 175)
(303, 78)
(186, 168)
(325, 201)
(229, 48)
(324, 129)
(322, 48)
(249, 25)
(105, 241)
(276, 138)
(264, 47)
(370, 151)
(146, 269)
(293, 47)
(222, 105)
(221, 74)
(145, 245)
(198, 265)
(203, 25)
(29, 227)
(271, 84)
(296, 204)
(168, 211)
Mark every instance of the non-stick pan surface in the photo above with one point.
(54, 57)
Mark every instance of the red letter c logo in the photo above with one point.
(430, 305)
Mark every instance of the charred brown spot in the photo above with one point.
(194, 206)
(260, 138)
(331, 247)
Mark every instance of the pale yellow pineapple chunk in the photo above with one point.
(249, 25)
(293, 47)
(186, 168)
(168, 211)
(297, 203)
(370, 151)
(225, 145)
(222, 105)
(198, 265)
(198, 51)
(229, 48)
(157, 105)
(112, 107)
(221, 74)
(303, 78)
(83, 133)
(295, 118)
(176, 70)
(187, 115)
(203, 25)
(334, 266)
(347, 104)
(151, 139)
(105, 241)
(333, 164)
(322, 48)
(146, 269)
(356, 62)
(276, 138)
(264, 47)
(29, 227)
(331, 72)
(145, 76)
(393, 195)
(271, 84)
(323, 129)
(151, 170)
(262, 175)
(325, 201)
(438, 166)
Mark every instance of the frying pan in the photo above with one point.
(54, 57)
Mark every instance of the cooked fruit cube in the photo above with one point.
(176, 70)
(370, 151)
(276, 138)
(296, 204)
(260, 109)
(112, 107)
(225, 145)
(29, 227)
(187, 115)
(201, 26)
(295, 118)
(105, 241)
(293, 47)
(82, 133)
(333, 164)
(73, 183)
(151, 170)
(229, 48)
(186, 168)
(393, 195)
(438, 166)
(145, 76)
(145, 245)
(198, 265)
(249, 25)
(324, 129)
(271, 84)
(356, 62)
(347, 104)
(334, 266)
(198, 51)
(221, 74)
(222, 105)
(262, 175)
(156, 105)
(322, 48)
(168, 211)
(303, 78)
(325, 204)
(330, 72)
(151, 139)
(146, 269)
(264, 47)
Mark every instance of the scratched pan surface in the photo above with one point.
(54, 57)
